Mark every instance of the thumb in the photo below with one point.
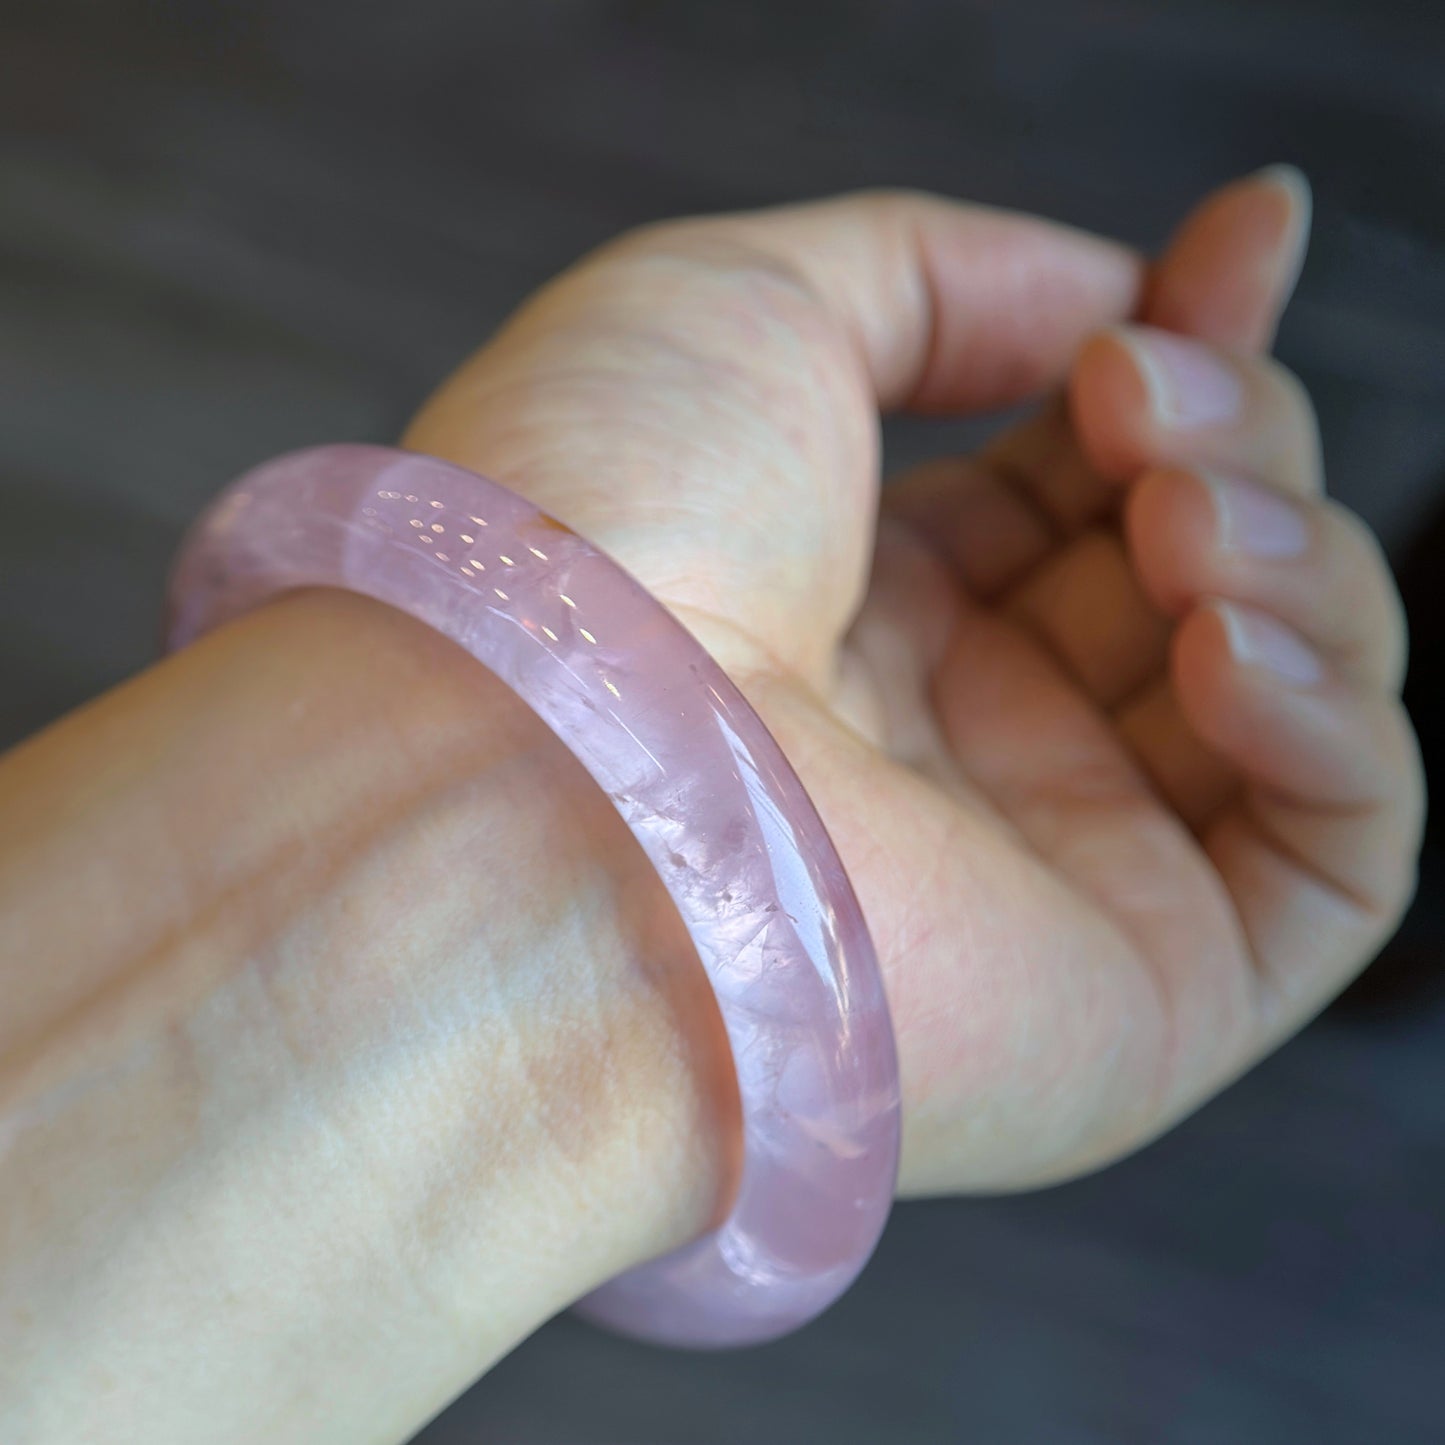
(701, 398)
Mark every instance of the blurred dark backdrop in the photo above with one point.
(229, 230)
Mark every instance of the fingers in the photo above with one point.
(701, 397)
(1144, 400)
(1090, 609)
(1052, 764)
(1316, 567)
(1224, 278)
(1286, 667)
(1258, 692)
(1318, 852)
(1229, 271)
(1278, 735)
(988, 529)
(1101, 611)
(1222, 283)
(1142, 397)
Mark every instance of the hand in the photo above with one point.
(1104, 723)
(1104, 720)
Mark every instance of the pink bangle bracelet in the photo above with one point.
(708, 794)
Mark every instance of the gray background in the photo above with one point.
(226, 231)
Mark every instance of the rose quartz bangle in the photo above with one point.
(709, 795)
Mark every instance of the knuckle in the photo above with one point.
(652, 235)
(1361, 557)
(890, 203)
(1411, 767)
(1358, 546)
(1401, 798)
(1290, 390)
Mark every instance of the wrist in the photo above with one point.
(415, 1028)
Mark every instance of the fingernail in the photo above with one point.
(1255, 521)
(1259, 641)
(1295, 184)
(1189, 386)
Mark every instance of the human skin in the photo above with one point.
(346, 1038)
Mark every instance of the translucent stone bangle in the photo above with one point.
(709, 795)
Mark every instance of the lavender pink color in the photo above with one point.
(704, 787)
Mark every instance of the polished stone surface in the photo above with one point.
(707, 792)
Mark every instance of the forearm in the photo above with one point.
(346, 1037)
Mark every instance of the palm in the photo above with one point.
(1070, 863)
